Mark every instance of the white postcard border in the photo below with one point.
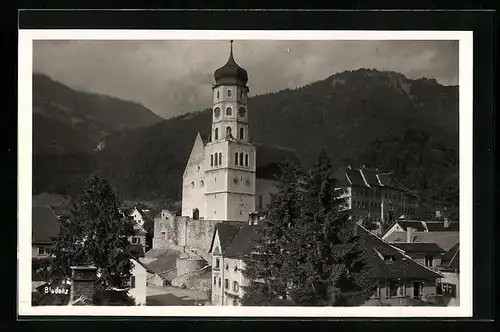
(25, 119)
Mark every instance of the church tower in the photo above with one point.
(229, 156)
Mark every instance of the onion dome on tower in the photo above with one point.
(231, 73)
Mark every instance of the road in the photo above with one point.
(159, 296)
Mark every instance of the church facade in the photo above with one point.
(226, 177)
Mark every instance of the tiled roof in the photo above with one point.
(415, 224)
(445, 240)
(226, 230)
(136, 250)
(451, 259)
(370, 176)
(375, 248)
(419, 247)
(438, 226)
(402, 267)
(143, 265)
(242, 243)
(45, 224)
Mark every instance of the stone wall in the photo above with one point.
(173, 232)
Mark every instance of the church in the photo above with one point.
(228, 177)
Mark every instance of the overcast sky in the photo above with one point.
(174, 77)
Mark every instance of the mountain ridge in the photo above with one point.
(349, 112)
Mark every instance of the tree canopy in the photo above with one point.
(308, 251)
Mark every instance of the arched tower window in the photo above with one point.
(220, 158)
(241, 94)
(228, 132)
(246, 159)
(229, 93)
(196, 214)
(241, 133)
(215, 161)
(236, 158)
(241, 159)
(217, 94)
(216, 133)
(229, 111)
(211, 160)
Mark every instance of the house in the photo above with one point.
(139, 236)
(449, 285)
(371, 193)
(426, 253)
(138, 281)
(443, 233)
(45, 228)
(400, 280)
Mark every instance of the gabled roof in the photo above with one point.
(445, 240)
(45, 225)
(438, 226)
(226, 230)
(136, 250)
(142, 264)
(403, 265)
(451, 259)
(419, 247)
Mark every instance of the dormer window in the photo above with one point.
(389, 259)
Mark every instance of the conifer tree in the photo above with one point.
(268, 269)
(96, 233)
(332, 269)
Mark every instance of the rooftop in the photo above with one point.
(45, 225)
(419, 247)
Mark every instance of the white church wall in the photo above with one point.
(193, 183)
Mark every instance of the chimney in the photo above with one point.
(83, 280)
(409, 235)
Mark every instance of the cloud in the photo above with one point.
(174, 77)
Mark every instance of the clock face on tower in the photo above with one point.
(217, 112)
(241, 112)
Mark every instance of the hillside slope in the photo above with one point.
(350, 112)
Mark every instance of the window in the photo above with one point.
(236, 158)
(132, 282)
(228, 132)
(389, 259)
(246, 159)
(219, 281)
(428, 261)
(229, 111)
(192, 184)
(241, 94)
(227, 266)
(447, 289)
(220, 158)
(41, 251)
(202, 184)
(163, 234)
(393, 289)
(241, 133)
(211, 160)
(217, 263)
(226, 283)
(229, 93)
(217, 94)
(377, 292)
(135, 240)
(241, 159)
(216, 133)
(215, 280)
(216, 159)
(236, 287)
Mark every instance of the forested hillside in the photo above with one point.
(381, 119)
